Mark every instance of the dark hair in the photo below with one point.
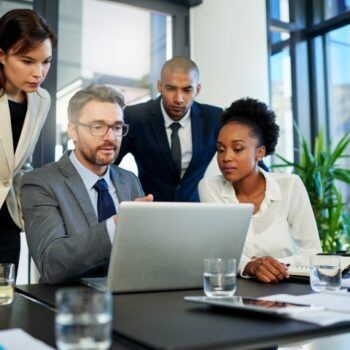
(22, 30)
(258, 117)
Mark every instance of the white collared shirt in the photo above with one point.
(89, 179)
(284, 227)
(185, 136)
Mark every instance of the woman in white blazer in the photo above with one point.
(26, 44)
(283, 229)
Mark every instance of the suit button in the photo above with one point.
(6, 183)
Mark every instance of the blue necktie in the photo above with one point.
(105, 204)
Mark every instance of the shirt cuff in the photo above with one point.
(110, 228)
(242, 264)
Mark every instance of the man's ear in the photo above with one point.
(72, 132)
(199, 88)
(159, 86)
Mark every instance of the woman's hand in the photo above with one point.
(266, 269)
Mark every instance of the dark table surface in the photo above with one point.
(33, 318)
(163, 320)
(38, 320)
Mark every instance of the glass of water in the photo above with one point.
(7, 283)
(219, 277)
(83, 319)
(325, 273)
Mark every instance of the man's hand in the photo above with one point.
(148, 198)
(266, 269)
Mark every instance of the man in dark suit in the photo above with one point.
(172, 138)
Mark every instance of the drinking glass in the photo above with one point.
(7, 283)
(83, 319)
(219, 277)
(325, 273)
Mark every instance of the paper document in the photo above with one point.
(337, 306)
(322, 318)
(14, 339)
(303, 269)
(346, 281)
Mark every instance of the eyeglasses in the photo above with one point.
(102, 129)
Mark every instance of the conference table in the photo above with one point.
(163, 320)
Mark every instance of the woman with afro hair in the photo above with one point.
(283, 230)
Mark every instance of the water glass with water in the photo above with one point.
(325, 273)
(83, 319)
(219, 277)
(7, 283)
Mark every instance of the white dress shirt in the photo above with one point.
(284, 227)
(185, 136)
(89, 179)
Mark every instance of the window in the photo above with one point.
(281, 101)
(279, 9)
(338, 53)
(309, 70)
(333, 8)
(133, 43)
(6, 6)
(280, 75)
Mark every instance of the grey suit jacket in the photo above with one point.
(64, 236)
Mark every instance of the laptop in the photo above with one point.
(162, 246)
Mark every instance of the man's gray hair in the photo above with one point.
(100, 93)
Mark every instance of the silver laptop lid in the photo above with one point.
(160, 246)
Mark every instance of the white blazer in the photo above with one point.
(11, 163)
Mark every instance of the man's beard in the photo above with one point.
(93, 157)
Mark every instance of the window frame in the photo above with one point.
(49, 9)
(309, 63)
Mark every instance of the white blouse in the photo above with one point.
(284, 227)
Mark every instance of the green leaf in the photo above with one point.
(339, 149)
(320, 170)
(342, 175)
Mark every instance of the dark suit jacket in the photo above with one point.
(64, 236)
(147, 141)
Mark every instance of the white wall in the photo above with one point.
(229, 44)
(116, 40)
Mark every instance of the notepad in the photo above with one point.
(304, 269)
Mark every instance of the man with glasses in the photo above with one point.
(70, 207)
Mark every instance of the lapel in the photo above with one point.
(156, 120)
(35, 117)
(31, 128)
(120, 186)
(76, 185)
(197, 136)
(7, 159)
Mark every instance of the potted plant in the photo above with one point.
(323, 175)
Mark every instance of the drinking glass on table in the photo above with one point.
(325, 273)
(219, 277)
(7, 283)
(83, 319)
